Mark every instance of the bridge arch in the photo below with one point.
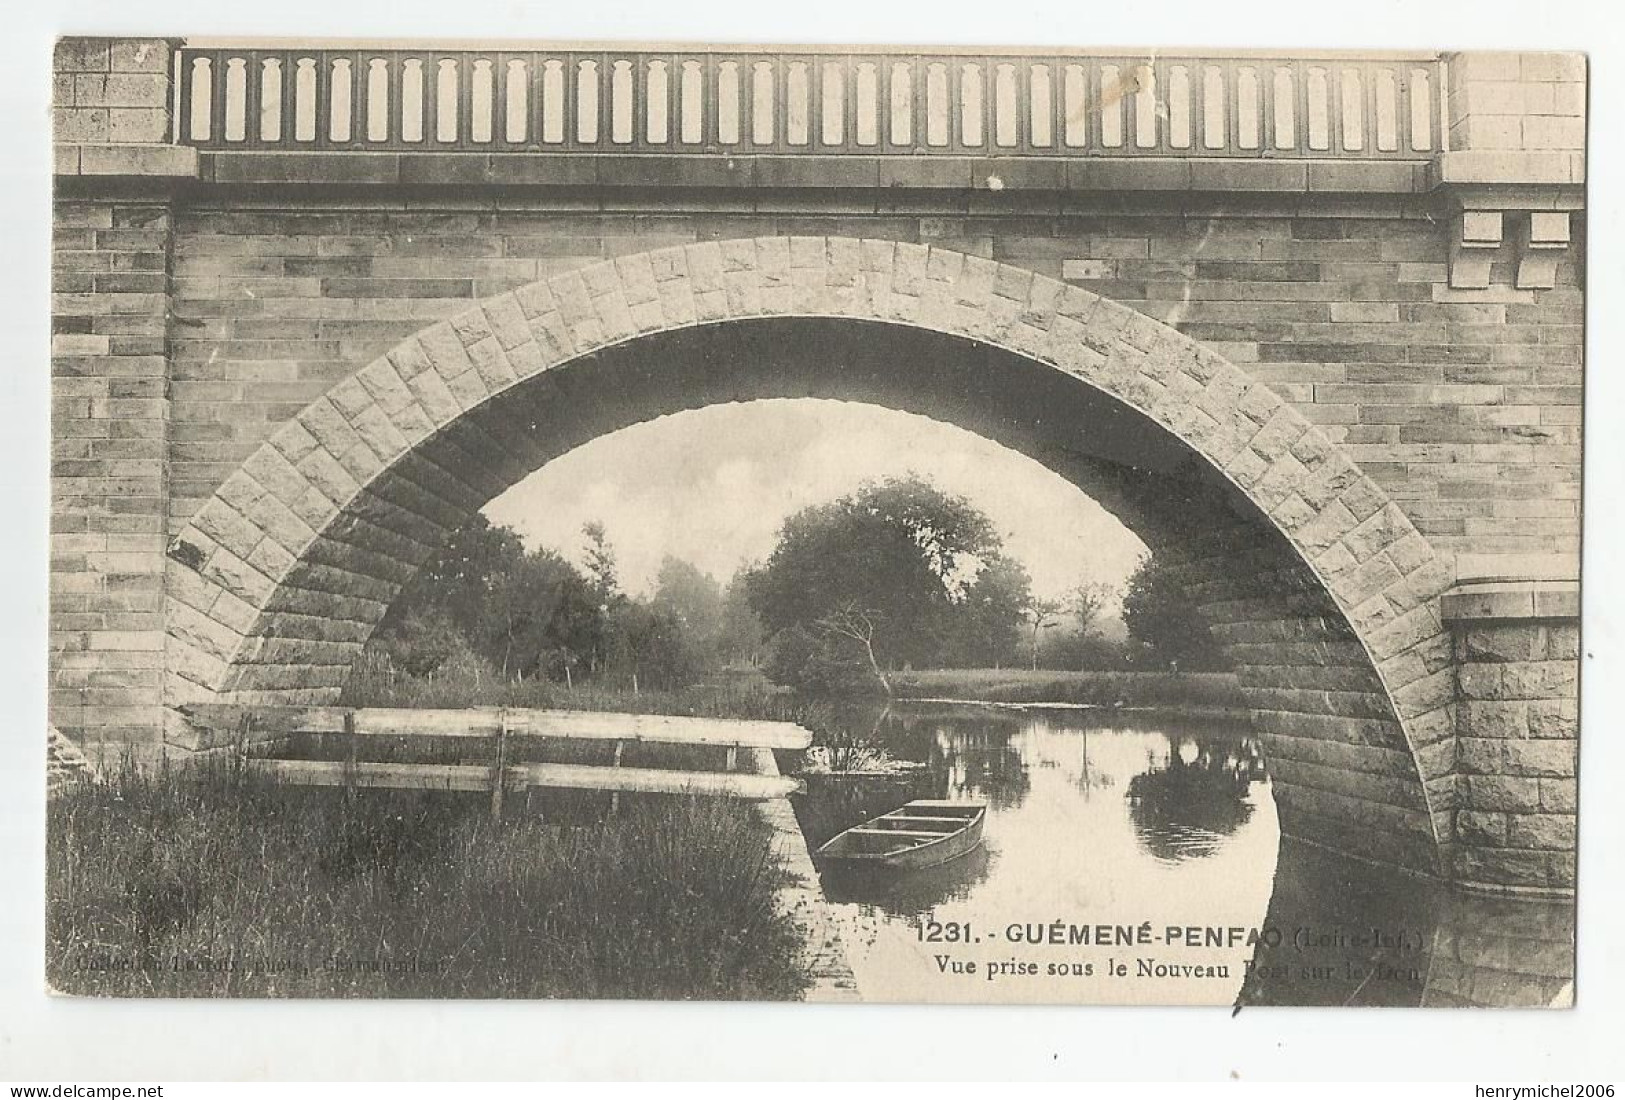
(279, 579)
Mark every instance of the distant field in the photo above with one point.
(1105, 689)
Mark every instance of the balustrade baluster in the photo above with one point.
(763, 104)
(729, 127)
(1350, 108)
(218, 116)
(866, 104)
(235, 124)
(1183, 119)
(340, 111)
(1420, 95)
(915, 76)
(589, 111)
(272, 87)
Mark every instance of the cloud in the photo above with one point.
(713, 485)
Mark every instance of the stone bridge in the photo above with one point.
(1312, 327)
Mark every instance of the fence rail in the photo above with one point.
(497, 728)
(786, 102)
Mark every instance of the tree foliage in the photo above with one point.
(898, 570)
(601, 567)
(528, 613)
(1160, 616)
(741, 637)
(1087, 603)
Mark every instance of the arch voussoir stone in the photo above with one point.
(237, 552)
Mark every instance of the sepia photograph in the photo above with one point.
(814, 523)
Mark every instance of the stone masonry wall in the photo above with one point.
(1517, 103)
(110, 92)
(109, 465)
(1463, 406)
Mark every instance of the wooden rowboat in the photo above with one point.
(924, 833)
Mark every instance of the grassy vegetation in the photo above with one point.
(214, 883)
(1104, 689)
(374, 683)
(744, 695)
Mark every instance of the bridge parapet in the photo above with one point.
(1158, 120)
(829, 101)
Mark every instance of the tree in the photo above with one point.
(898, 573)
(538, 608)
(1088, 601)
(990, 622)
(603, 576)
(420, 640)
(696, 602)
(600, 564)
(857, 624)
(809, 660)
(740, 637)
(458, 580)
(1039, 615)
(1160, 616)
(648, 648)
(525, 613)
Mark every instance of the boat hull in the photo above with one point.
(887, 842)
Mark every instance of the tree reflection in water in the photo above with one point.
(1184, 807)
(980, 762)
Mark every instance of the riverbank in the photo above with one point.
(1194, 694)
(219, 884)
(1191, 694)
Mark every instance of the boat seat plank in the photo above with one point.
(958, 821)
(897, 832)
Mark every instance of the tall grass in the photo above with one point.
(211, 882)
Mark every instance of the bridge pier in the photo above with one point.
(1517, 724)
(113, 243)
(111, 446)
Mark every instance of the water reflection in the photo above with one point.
(982, 762)
(1359, 935)
(1061, 844)
(1098, 819)
(1187, 803)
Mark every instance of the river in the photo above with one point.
(1139, 859)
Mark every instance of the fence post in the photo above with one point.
(615, 796)
(245, 730)
(499, 773)
(352, 745)
(537, 748)
(731, 762)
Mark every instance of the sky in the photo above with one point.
(713, 485)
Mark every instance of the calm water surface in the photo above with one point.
(1098, 819)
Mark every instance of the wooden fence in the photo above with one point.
(497, 730)
(1373, 106)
